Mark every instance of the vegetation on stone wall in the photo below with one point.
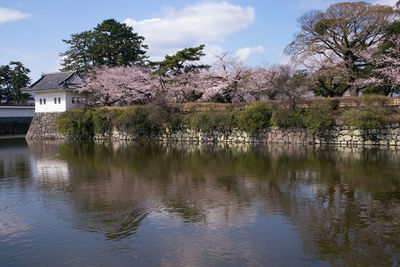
(77, 124)
(255, 117)
(140, 121)
(137, 120)
(284, 118)
(103, 120)
(372, 113)
(252, 118)
(366, 119)
(320, 116)
(222, 120)
(150, 120)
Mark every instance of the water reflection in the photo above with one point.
(237, 204)
(15, 162)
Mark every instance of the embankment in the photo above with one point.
(43, 126)
(15, 119)
(14, 125)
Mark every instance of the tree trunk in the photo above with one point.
(353, 91)
(352, 69)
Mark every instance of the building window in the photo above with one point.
(55, 100)
(40, 100)
(59, 100)
(44, 101)
(73, 100)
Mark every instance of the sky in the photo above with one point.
(254, 31)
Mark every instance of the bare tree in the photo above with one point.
(344, 33)
(290, 84)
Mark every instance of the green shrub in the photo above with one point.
(284, 118)
(372, 113)
(222, 120)
(199, 120)
(373, 100)
(320, 116)
(139, 120)
(333, 103)
(255, 117)
(367, 118)
(103, 120)
(165, 116)
(76, 124)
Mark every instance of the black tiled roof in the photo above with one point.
(57, 80)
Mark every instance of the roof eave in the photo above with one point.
(41, 90)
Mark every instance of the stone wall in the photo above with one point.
(269, 135)
(345, 135)
(341, 134)
(43, 127)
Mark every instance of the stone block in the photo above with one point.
(357, 132)
(347, 138)
(383, 142)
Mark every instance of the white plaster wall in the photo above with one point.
(50, 106)
(70, 95)
(16, 111)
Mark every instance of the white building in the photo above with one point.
(55, 92)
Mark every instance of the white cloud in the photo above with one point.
(191, 26)
(212, 51)
(8, 15)
(245, 52)
(386, 2)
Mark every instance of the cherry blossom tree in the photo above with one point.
(108, 86)
(389, 66)
(288, 83)
(186, 87)
(180, 75)
(283, 82)
(274, 82)
(254, 84)
(228, 81)
(387, 71)
(345, 32)
(223, 82)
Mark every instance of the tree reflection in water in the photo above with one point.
(344, 202)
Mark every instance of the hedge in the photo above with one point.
(151, 120)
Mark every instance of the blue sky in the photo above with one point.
(256, 31)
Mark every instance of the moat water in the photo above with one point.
(122, 204)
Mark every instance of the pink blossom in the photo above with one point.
(119, 86)
(388, 68)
